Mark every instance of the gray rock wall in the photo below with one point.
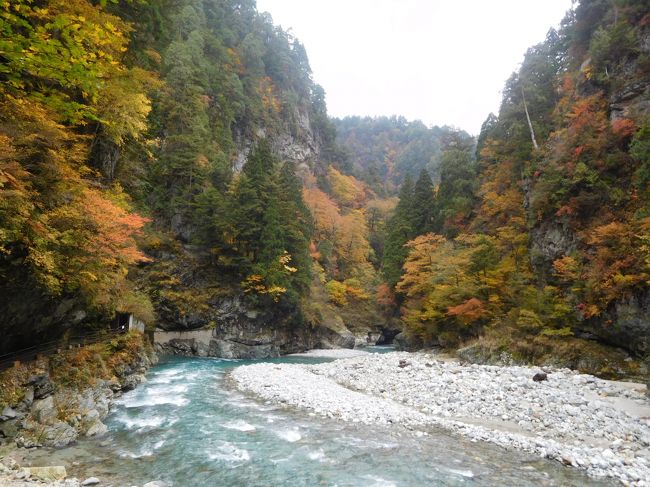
(54, 417)
(625, 324)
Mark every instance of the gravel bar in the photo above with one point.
(600, 426)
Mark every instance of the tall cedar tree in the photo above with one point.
(423, 204)
(271, 220)
(456, 194)
(400, 231)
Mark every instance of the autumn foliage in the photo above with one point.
(558, 233)
(61, 229)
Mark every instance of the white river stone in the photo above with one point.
(580, 420)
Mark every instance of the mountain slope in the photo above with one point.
(555, 252)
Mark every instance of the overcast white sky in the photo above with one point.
(440, 61)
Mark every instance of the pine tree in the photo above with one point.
(400, 231)
(423, 204)
(456, 194)
(298, 222)
(250, 200)
(285, 234)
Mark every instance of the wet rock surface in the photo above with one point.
(48, 416)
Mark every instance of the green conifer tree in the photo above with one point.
(400, 231)
(423, 204)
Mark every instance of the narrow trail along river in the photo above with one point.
(188, 426)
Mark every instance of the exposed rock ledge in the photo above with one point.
(247, 341)
(600, 426)
(54, 416)
(13, 475)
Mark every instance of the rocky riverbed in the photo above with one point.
(12, 474)
(600, 426)
(43, 407)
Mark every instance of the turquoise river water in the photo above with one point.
(189, 427)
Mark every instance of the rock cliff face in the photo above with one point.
(203, 314)
(230, 327)
(234, 330)
(300, 144)
(625, 324)
(241, 331)
(632, 98)
(550, 240)
(28, 317)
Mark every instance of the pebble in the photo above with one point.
(567, 417)
(90, 481)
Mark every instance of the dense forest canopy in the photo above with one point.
(151, 106)
(158, 155)
(383, 150)
(556, 234)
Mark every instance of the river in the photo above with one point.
(188, 427)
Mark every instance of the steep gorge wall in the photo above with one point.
(625, 322)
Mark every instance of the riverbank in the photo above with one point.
(54, 400)
(13, 475)
(599, 426)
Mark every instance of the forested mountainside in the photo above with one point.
(174, 159)
(154, 160)
(125, 127)
(553, 251)
(382, 151)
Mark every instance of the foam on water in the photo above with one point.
(280, 460)
(290, 435)
(463, 473)
(170, 372)
(161, 380)
(227, 452)
(317, 455)
(138, 422)
(156, 400)
(379, 482)
(238, 425)
(146, 452)
(165, 390)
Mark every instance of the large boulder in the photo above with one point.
(44, 411)
(46, 474)
(97, 428)
(626, 323)
(333, 337)
(132, 381)
(407, 342)
(8, 413)
(235, 349)
(42, 385)
(10, 428)
(187, 347)
(55, 435)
